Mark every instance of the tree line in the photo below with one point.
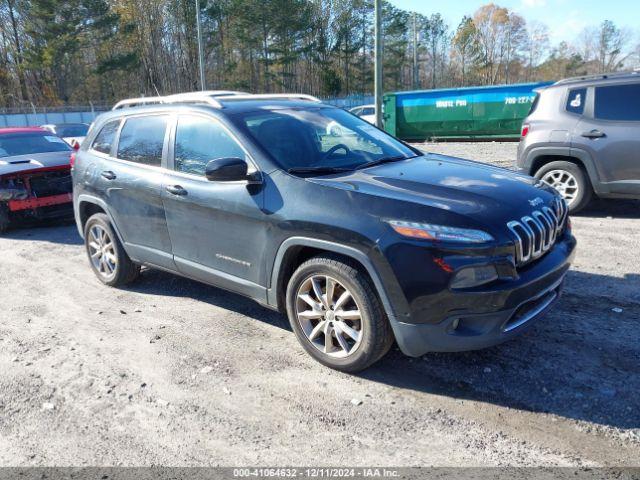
(56, 52)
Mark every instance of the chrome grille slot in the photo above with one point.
(536, 234)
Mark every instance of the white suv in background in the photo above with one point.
(366, 113)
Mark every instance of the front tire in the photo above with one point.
(570, 181)
(336, 314)
(107, 257)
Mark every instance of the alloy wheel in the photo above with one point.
(564, 182)
(329, 316)
(102, 251)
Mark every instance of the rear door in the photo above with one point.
(131, 181)
(610, 132)
(217, 228)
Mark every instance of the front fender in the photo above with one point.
(362, 257)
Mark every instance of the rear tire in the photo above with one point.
(107, 257)
(329, 297)
(571, 181)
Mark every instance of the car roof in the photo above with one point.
(10, 130)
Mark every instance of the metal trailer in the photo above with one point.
(494, 112)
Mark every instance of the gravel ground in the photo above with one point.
(502, 154)
(172, 372)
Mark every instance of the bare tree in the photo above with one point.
(537, 46)
(611, 42)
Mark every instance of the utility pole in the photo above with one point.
(415, 52)
(203, 85)
(378, 62)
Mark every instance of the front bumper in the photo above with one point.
(33, 203)
(517, 307)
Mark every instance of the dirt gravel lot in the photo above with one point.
(172, 372)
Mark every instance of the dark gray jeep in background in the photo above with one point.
(582, 137)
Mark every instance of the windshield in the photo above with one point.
(77, 130)
(30, 143)
(320, 138)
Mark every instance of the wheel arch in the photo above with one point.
(88, 206)
(537, 158)
(296, 250)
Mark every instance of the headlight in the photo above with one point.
(442, 233)
(474, 276)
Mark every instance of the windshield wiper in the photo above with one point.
(319, 170)
(382, 160)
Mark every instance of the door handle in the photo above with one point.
(175, 190)
(593, 134)
(109, 175)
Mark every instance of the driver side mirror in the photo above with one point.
(230, 170)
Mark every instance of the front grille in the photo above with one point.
(535, 234)
(51, 183)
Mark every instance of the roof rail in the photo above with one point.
(273, 96)
(134, 102)
(597, 76)
(211, 97)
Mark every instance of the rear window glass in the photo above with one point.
(534, 105)
(29, 143)
(77, 130)
(576, 100)
(142, 138)
(104, 139)
(618, 102)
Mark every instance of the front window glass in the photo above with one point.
(320, 137)
(141, 140)
(200, 140)
(29, 143)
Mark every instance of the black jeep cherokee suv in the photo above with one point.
(307, 209)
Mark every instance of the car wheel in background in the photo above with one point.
(4, 217)
(336, 314)
(109, 261)
(570, 181)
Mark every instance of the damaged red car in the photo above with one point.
(35, 176)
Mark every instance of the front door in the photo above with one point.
(217, 229)
(612, 136)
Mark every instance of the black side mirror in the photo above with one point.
(228, 170)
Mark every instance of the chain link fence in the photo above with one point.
(31, 115)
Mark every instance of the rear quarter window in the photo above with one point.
(105, 138)
(618, 102)
(576, 101)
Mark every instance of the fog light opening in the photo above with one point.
(473, 276)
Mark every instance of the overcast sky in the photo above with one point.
(565, 18)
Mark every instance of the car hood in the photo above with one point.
(23, 163)
(447, 183)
